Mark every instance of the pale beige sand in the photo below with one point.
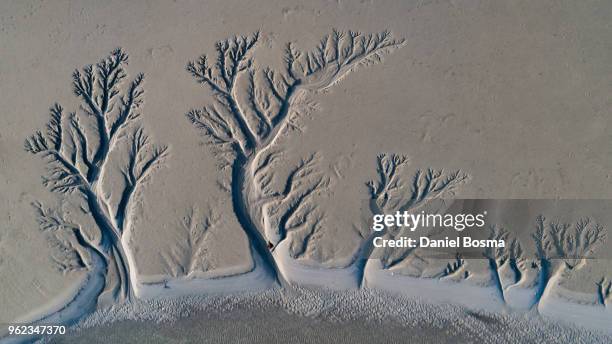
(513, 94)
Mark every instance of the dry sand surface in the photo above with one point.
(190, 148)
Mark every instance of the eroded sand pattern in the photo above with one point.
(240, 151)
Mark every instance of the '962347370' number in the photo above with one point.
(36, 329)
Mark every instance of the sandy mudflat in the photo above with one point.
(265, 326)
(317, 316)
(152, 150)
